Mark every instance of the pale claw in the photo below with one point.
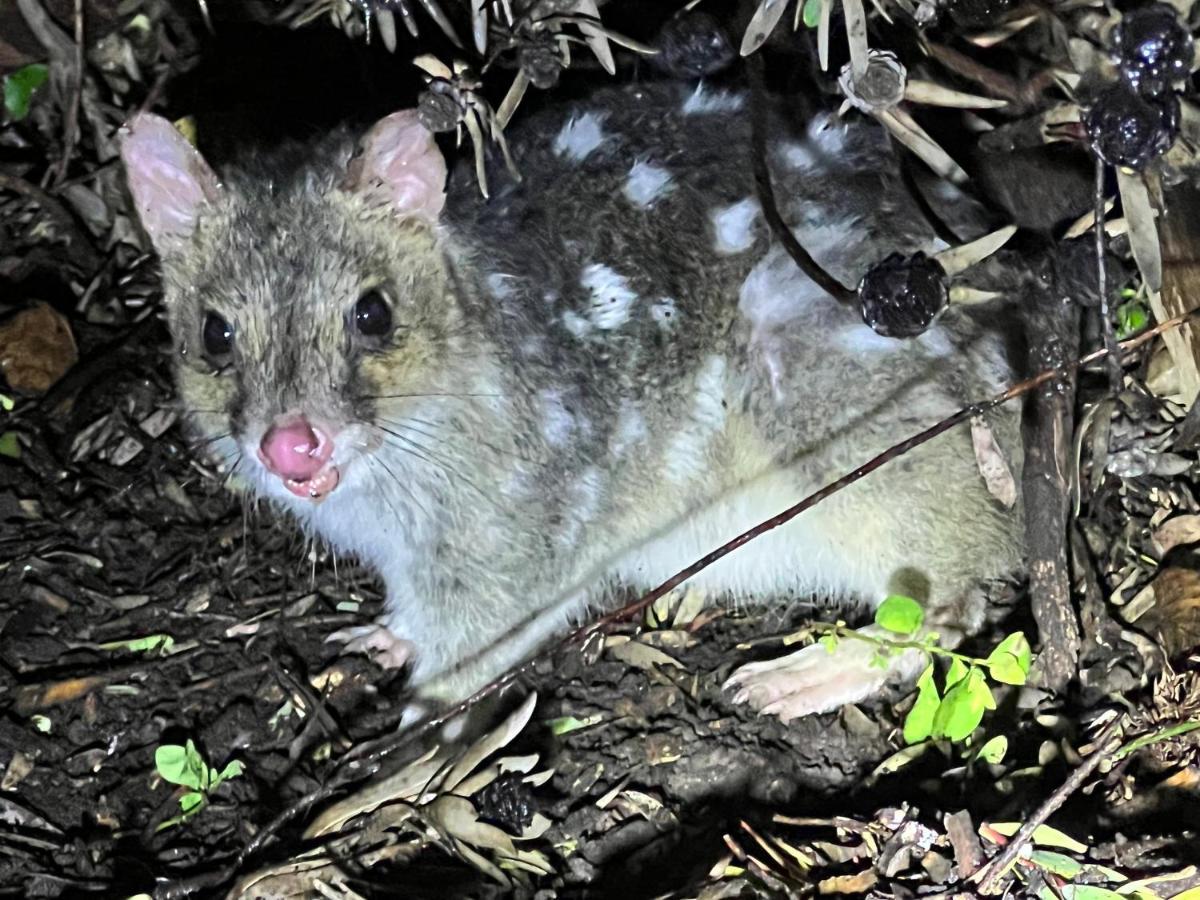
(812, 680)
(379, 643)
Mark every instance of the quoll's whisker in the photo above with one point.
(449, 436)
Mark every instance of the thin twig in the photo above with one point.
(1106, 326)
(991, 873)
(766, 193)
(71, 114)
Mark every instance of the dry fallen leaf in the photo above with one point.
(1175, 617)
(1177, 531)
(992, 465)
(36, 349)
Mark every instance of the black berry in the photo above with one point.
(692, 45)
(1152, 48)
(902, 295)
(1131, 130)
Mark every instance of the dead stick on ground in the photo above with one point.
(363, 764)
(989, 875)
(1053, 332)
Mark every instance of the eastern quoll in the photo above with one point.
(511, 407)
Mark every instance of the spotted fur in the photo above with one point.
(597, 376)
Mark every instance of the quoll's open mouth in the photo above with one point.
(300, 454)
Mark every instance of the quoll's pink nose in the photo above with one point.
(295, 450)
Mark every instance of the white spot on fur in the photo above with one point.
(797, 156)
(557, 422)
(646, 183)
(576, 324)
(734, 226)
(611, 298)
(665, 313)
(704, 100)
(500, 285)
(580, 136)
(829, 134)
(685, 458)
(630, 429)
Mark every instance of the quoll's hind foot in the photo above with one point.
(377, 642)
(816, 680)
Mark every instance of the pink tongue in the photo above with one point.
(291, 451)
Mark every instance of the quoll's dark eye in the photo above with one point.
(372, 315)
(217, 336)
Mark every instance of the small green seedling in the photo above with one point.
(161, 643)
(811, 13)
(186, 767)
(955, 711)
(9, 445)
(19, 87)
(1132, 317)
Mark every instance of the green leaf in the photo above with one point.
(1132, 317)
(956, 673)
(143, 644)
(812, 13)
(9, 446)
(918, 724)
(232, 769)
(182, 765)
(6, 403)
(902, 615)
(190, 801)
(1043, 836)
(1058, 863)
(961, 710)
(19, 87)
(1005, 668)
(828, 641)
(1017, 645)
(994, 750)
(567, 724)
(1089, 892)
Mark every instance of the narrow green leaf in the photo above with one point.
(232, 769)
(918, 724)
(1058, 863)
(993, 751)
(1089, 892)
(198, 772)
(6, 403)
(9, 446)
(902, 615)
(956, 673)
(163, 642)
(1043, 836)
(828, 641)
(812, 13)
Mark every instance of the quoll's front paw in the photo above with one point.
(814, 679)
(377, 642)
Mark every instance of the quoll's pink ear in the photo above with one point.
(170, 182)
(400, 163)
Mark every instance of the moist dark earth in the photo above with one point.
(115, 527)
